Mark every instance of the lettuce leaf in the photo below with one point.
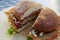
(10, 31)
(29, 38)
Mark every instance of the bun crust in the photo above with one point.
(22, 7)
(46, 21)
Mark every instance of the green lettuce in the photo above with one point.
(10, 31)
(29, 38)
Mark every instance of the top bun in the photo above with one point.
(46, 21)
(24, 6)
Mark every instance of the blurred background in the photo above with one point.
(7, 3)
(53, 4)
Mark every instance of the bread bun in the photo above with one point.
(46, 21)
(24, 6)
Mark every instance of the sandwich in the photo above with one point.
(46, 26)
(44, 22)
(22, 15)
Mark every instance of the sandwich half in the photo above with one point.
(46, 26)
(23, 15)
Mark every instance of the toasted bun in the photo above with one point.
(10, 16)
(46, 21)
(22, 8)
(59, 20)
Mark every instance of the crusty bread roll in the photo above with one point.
(47, 20)
(24, 6)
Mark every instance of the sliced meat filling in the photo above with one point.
(27, 20)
